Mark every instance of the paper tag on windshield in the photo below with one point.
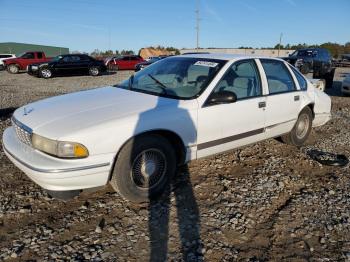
(206, 63)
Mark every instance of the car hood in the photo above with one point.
(61, 115)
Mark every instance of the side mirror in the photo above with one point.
(222, 97)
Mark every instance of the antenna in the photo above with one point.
(197, 24)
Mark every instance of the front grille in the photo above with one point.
(23, 132)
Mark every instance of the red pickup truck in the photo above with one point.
(14, 65)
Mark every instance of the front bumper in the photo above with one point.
(57, 174)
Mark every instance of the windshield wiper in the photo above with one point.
(161, 85)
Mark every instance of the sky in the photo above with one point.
(85, 25)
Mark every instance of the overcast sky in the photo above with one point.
(88, 24)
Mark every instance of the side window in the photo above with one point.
(278, 77)
(67, 59)
(243, 79)
(84, 58)
(75, 59)
(40, 55)
(28, 56)
(301, 80)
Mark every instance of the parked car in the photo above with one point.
(127, 62)
(315, 60)
(144, 64)
(75, 64)
(346, 85)
(133, 135)
(4, 57)
(14, 65)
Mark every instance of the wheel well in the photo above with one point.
(311, 106)
(173, 139)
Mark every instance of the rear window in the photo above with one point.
(278, 77)
(301, 80)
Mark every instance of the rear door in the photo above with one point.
(283, 103)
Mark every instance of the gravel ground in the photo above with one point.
(266, 202)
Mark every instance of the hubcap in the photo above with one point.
(94, 71)
(46, 73)
(302, 126)
(13, 69)
(148, 168)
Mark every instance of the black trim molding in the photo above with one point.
(229, 139)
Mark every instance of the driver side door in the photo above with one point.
(222, 127)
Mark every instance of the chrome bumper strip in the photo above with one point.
(63, 170)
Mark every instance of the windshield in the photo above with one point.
(303, 53)
(177, 77)
(56, 58)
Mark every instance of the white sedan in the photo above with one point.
(133, 135)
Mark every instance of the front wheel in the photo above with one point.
(94, 71)
(144, 168)
(45, 73)
(301, 129)
(13, 69)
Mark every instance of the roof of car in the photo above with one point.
(226, 56)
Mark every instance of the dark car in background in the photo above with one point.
(315, 60)
(144, 64)
(73, 64)
(127, 62)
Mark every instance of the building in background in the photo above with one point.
(242, 51)
(17, 48)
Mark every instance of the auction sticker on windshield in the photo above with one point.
(206, 63)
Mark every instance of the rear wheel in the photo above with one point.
(94, 71)
(45, 73)
(305, 69)
(13, 69)
(144, 168)
(301, 129)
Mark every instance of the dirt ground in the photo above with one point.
(265, 202)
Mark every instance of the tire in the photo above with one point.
(131, 172)
(301, 129)
(94, 71)
(329, 78)
(305, 69)
(45, 73)
(13, 69)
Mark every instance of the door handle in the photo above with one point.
(262, 104)
(296, 98)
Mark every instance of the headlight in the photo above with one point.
(34, 67)
(59, 148)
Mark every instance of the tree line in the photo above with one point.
(100, 53)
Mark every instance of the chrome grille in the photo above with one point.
(23, 132)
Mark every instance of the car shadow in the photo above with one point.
(188, 217)
(6, 113)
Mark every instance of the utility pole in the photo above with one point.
(197, 24)
(109, 38)
(279, 46)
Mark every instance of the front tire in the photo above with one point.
(13, 69)
(144, 168)
(301, 129)
(45, 73)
